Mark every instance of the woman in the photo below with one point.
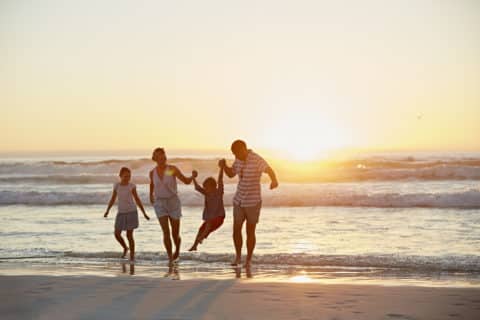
(165, 201)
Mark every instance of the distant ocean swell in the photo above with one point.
(370, 169)
(290, 196)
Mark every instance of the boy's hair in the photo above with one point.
(157, 150)
(124, 170)
(209, 181)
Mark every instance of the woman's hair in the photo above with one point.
(157, 150)
(124, 170)
(209, 181)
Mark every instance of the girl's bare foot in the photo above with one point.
(193, 248)
(124, 255)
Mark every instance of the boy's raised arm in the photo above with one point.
(220, 179)
(198, 187)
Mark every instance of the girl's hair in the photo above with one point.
(124, 170)
(157, 150)
(209, 181)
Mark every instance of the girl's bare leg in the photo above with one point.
(131, 244)
(118, 236)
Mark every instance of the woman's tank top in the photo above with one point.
(166, 187)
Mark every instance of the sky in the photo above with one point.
(298, 77)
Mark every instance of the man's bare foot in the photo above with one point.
(193, 248)
(124, 255)
(247, 264)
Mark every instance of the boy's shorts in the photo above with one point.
(251, 214)
(215, 223)
(170, 207)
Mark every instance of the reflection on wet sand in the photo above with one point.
(238, 272)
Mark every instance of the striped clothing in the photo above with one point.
(249, 173)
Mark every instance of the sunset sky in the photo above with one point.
(292, 76)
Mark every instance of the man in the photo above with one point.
(247, 202)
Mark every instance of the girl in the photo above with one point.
(127, 216)
(165, 201)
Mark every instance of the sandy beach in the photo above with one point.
(113, 296)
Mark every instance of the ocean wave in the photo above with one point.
(450, 263)
(287, 197)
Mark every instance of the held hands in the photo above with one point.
(222, 163)
(194, 174)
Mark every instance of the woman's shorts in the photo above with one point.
(215, 223)
(126, 221)
(170, 207)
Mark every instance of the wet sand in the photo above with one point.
(139, 297)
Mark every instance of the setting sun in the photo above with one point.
(304, 135)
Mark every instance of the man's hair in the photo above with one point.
(209, 181)
(157, 150)
(124, 170)
(238, 144)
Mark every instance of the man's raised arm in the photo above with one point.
(228, 170)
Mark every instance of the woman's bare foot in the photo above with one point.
(176, 254)
(124, 255)
(247, 264)
(193, 248)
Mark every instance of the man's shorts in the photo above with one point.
(170, 207)
(251, 214)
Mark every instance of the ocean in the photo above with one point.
(412, 216)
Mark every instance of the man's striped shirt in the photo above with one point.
(249, 173)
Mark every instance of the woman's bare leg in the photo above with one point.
(167, 242)
(175, 223)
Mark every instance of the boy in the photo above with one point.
(214, 210)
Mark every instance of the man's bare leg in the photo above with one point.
(251, 241)
(237, 241)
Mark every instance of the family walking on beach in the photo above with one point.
(247, 202)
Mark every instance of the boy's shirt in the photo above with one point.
(213, 203)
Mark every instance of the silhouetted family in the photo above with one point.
(247, 202)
